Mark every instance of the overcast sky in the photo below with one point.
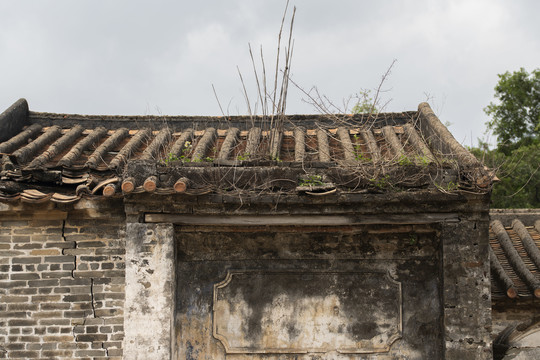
(162, 57)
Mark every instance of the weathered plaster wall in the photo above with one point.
(462, 288)
(324, 291)
(63, 278)
(61, 282)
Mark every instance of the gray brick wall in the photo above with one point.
(61, 285)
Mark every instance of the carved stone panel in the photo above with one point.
(307, 312)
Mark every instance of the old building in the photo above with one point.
(297, 237)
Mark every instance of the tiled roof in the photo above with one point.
(61, 157)
(515, 254)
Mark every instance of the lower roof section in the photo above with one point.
(515, 253)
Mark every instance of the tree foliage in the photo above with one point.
(365, 104)
(518, 173)
(515, 119)
(516, 115)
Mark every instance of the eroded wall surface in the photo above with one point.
(309, 293)
(238, 292)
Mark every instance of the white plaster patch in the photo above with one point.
(149, 301)
(5, 207)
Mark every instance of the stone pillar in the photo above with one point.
(466, 290)
(149, 304)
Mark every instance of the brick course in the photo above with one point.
(61, 285)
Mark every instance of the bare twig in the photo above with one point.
(277, 61)
(265, 105)
(217, 99)
(257, 80)
(286, 72)
(383, 80)
(246, 96)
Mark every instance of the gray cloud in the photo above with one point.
(137, 57)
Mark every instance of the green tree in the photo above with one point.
(365, 104)
(519, 175)
(515, 119)
(516, 115)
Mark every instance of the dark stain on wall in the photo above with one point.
(204, 258)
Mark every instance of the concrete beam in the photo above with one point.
(299, 220)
